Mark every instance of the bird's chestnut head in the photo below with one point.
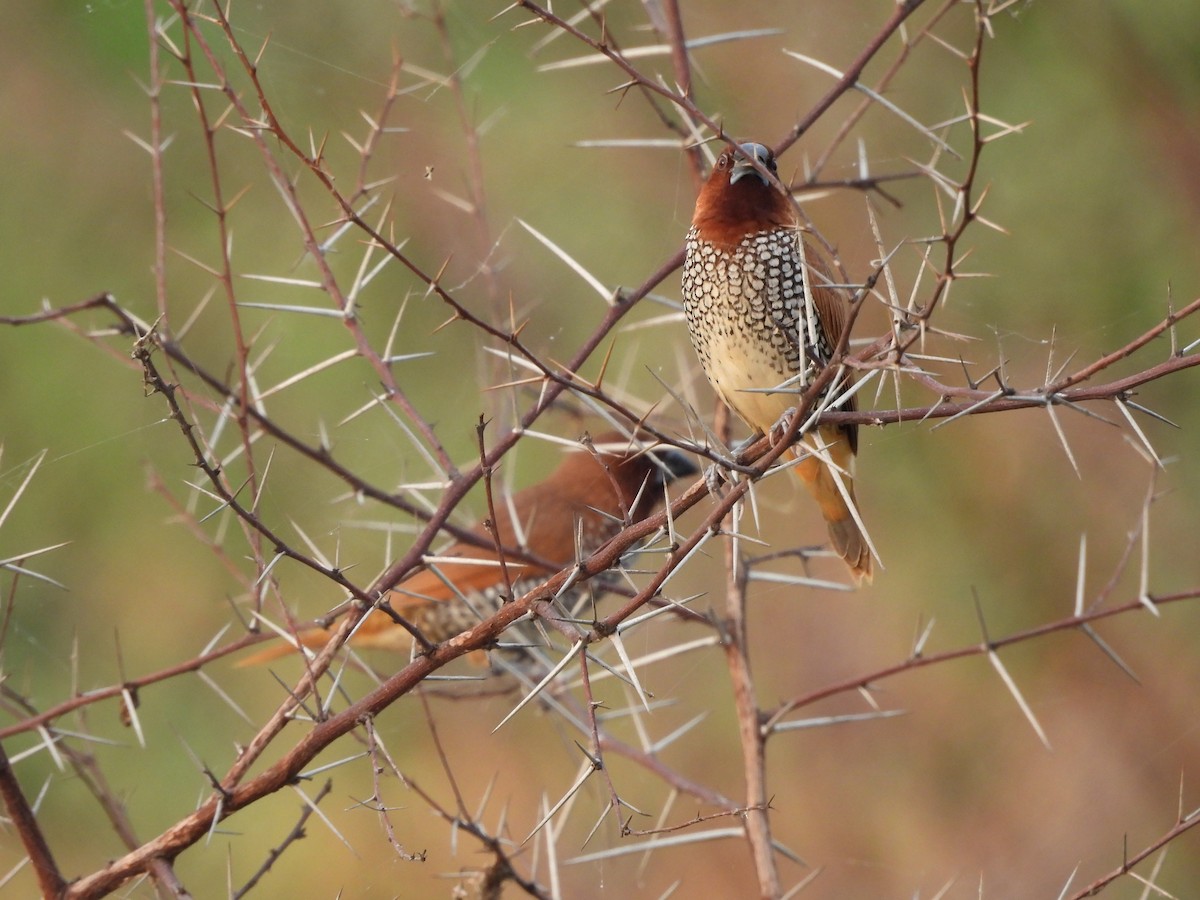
(738, 199)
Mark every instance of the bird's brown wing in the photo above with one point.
(833, 312)
(830, 301)
(479, 571)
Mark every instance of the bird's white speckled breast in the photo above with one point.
(744, 308)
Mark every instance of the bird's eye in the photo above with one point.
(722, 160)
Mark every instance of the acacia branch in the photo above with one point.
(29, 831)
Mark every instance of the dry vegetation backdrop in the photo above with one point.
(269, 267)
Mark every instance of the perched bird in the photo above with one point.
(758, 337)
(587, 497)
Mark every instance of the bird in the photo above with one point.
(542, 529)
(760, 341)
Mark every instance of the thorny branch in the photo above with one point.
(188, 389)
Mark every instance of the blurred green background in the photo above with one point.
(1100, 198)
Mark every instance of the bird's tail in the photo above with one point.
(311, 638)
(437, 619)
(847, 538)
(377, 630)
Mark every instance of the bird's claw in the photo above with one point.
(780, 428)
(714, 480)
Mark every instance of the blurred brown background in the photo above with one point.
(1100, 195)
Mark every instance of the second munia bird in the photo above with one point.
(576, 509)
(760, 335)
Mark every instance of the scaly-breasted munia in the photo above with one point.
(589, 497)
(758, 337)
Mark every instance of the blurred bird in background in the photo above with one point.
(542, 529)
(764, 316)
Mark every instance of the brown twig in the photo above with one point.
(29, 831)
(1185, 824)
(736, 644)
(297, 833)
(923, 661)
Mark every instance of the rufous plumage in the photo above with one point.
(583, 503)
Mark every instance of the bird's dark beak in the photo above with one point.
(676, 464)
(744, 167)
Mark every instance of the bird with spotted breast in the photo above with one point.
(764, 316)
(541, 529)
